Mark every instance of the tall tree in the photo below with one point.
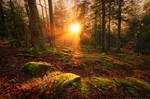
(52, 36)
(103, 27)
(2, 20)
(13, 18)
(119, 24)
(1, 10)
(109, 23)
(47, 18)
(35, 26)
(42, 8)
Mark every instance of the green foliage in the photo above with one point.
(36, 68)
(103, 84)
(133, 91)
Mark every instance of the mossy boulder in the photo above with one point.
(37, 68)
(63, 79)
(54, 81)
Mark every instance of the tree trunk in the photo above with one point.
(42, 9)
(46, 13)
(2, 21)
(119, 24)
(13, 18)
(28, 40)
(1, 11)
(109, 26)
(52, 35)
(103, 27)
(35, 26)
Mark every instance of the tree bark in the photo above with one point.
(46, 13)
(35, 26)
(2, 21)
(119, 24)
(13, 18)
(52, 35)
(109, 25)
(42, 9)
(103, 27)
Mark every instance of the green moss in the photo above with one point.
(133, 85)
(83, 87)
(103, 84)
(124, 83)
(133, 91)
(62, 79)
(63, 55)
(139, 83)
(36, 68)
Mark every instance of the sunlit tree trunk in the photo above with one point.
(52, 35)
(46, 13)
(103, 27)
(28, 14)
(42, 9)
(35, 26)
(119, 24)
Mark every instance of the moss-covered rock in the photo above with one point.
(36, 68)
(54, 81)
(63, 79)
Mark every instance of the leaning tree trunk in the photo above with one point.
(52, 35)
(119, 24)
(35, 26)
(103, 27)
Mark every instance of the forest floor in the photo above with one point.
(111, 75)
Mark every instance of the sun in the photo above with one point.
(75, 28)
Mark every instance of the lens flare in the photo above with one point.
(75, 28)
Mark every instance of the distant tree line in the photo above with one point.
(116, 23)
(109, 23)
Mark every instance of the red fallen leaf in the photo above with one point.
(19, 88)
(50, 86)
(47, 92)
(12, 93)
(14, 89)
(8, 88)
(8, 91)
(1, 91)
(35, 85)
